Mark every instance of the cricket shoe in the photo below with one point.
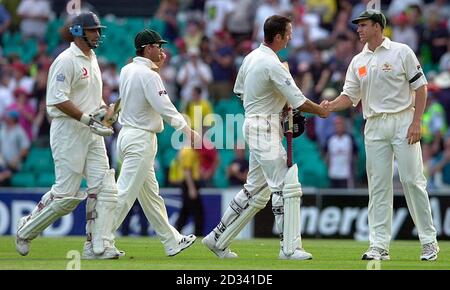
(22, 245)
(88, 253)
(184, 243)
(299, 254)
(120, 253)
(375, 253)
(210, 243)
(430, 252)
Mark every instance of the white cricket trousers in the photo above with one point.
(385, 138)
(267, 162)
(137, 150)
(77, 152)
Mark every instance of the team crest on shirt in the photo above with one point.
(85, 73)
(60, 78)
(387, 67)
(288, 82)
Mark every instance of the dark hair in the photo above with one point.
(275, 24)
(140, 51)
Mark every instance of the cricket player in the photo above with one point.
(74, 101)
(265, 86)
(145, 103)
(388, 80)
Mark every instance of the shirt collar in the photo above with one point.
(386, 44)
(144, 61)
(77, 51)
(268, 50)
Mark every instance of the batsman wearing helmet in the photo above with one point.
(80, 121)
(266, 86)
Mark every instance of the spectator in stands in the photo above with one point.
(209, 160)
(194, 73)
(300, 28)
(444, 62)
(404, 32)
(341, 153)
(6, 93)
(436, 36)
(14, 143)
(199, 110)
(193, 34)
(222, 66)
(434, 124)
(167, 12)
(441, 7)
(27, 111)
(241, 19)
(398, 6)
(215, 15)
(266, 9)
(21, 78)
(316, 77)
(440, 167)
(325, 8)
(168, 74)
(35, 16)
(189, 162)
(5, 21)
(238, 169)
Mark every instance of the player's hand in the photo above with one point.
(100, 129)
(326, 105)
(194, 139)
(414, 133)
(162, 59)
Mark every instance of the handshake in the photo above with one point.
(102, 120)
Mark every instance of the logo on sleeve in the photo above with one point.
(60, 78)
(164, 92)
(288, 82)
(362, 71)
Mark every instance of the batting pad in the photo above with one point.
(257, 202)
(104, 207)
(292, 193)
(41, 219)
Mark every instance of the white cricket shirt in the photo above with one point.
(145, 99)
(265, 85)
(384, 80)
(76, 77)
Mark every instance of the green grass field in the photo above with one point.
(256, 254)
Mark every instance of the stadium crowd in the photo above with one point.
(208, 40)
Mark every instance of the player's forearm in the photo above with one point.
(313, 108)
(340, 103)
(70, 109)
(421, 99)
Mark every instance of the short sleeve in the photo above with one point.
(59, 81)
(285, 84)
(352, 87)
(413, 69)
